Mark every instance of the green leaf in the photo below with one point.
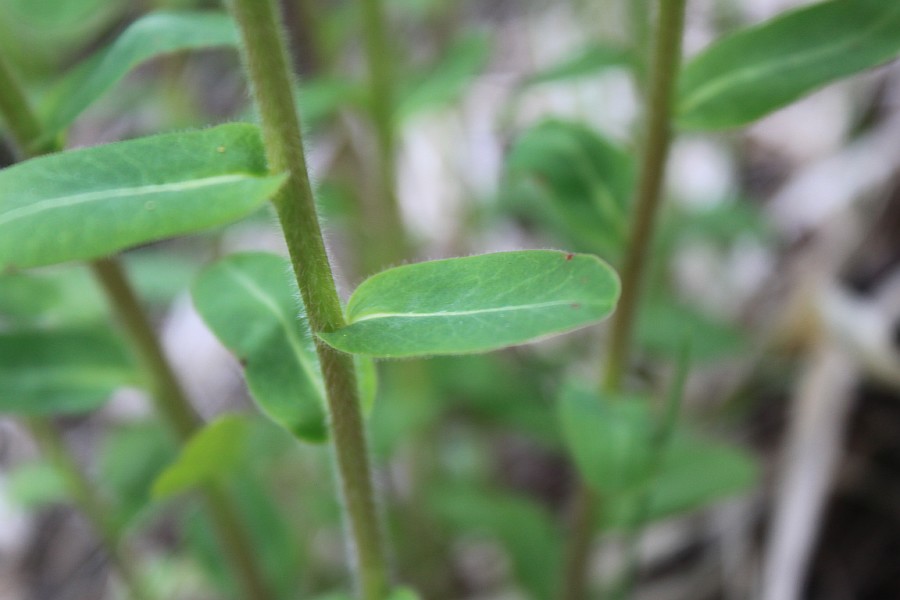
(475, 304)
(567, 177)
(664, 326)
(211, 454)
(759, 69)
(609, 437)
(37, 484)
(251, 303)
(443, 83)
(131, 458)
(693, 473)
(586, 62)
(85, 204)
(404, 593)
(150, 36)
(524, 528)
(61, 372)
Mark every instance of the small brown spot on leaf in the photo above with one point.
(575, 305)
(243, 361)
(569, 256)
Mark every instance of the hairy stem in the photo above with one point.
(270, 74)
(84, 494)
(171, 402)
(664, 68)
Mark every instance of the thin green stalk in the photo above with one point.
(85, 497)
(664, 68)
(173, 405)
(171, 402)
(665, 64)
(270, 75)
(384, 215)
(20, 120)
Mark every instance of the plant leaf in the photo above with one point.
(759, 69)
(609, 437)
(693, 473)
(153, 35)
(476, 303)
(567, 177)
(249, 302)
(445, 81)
(211, 454)
(84, 204)
(61, 372)
(585, 62)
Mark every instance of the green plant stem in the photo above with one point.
(173, 405)
(270, 75)
(85, 497)
(388, 231)
(171, 402)
(21, 121)
(664, 68)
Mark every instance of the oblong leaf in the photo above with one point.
(476, 303)
(152, 35)
(610, 438)
(585, 62)
(212, 453)
(61, 372)
(249, 302)
(89, 203)
(566, 176)
(759, 69)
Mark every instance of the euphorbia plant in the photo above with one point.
(309, 365)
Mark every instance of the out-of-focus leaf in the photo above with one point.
(89, 203)
(61, 372)
(528, 534)
(566, 175)
(693, 473)
(443, 83)
(609, 437)
(23, 297)
(404, 593)
(759, 69)
(664, 326)
(159, 276)
(320, 98)
(588, 61)
(211, 454)
(279, 555)
(131, 458)
(39, 34)
(37, 484)
(476, 303)
(150, 36)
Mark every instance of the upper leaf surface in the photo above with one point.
(759, 69)
(150, 36)
(476, 303)
(89, 203)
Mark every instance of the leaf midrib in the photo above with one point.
(462, 313)
(703, 93)
(98, 196)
